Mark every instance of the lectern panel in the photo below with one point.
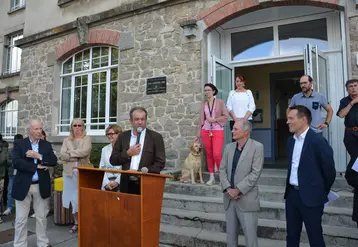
(125, 219)
(94, 218)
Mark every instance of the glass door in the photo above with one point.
(223, 79)
(316, 65)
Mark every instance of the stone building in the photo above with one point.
(94, 59)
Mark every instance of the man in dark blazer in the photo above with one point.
(31, 157)
(138, 152)
(311, 173)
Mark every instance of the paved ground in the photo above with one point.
(58, 235)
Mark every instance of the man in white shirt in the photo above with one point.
(311, 173)
(138, 149)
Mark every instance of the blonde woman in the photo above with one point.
(111, 181)
(75, 151)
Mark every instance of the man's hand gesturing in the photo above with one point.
(134, 150)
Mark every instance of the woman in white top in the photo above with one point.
(111, 181)
(240, 103)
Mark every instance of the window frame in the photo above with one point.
(14, 6)
(89, 73)
(333, 46)
(9, 50)
(3, 110)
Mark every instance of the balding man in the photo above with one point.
(314, 101)
(240, 170)
(31, 157)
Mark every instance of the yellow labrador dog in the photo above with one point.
(192, 165)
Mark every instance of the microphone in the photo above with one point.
(144, 169)
(139, 131)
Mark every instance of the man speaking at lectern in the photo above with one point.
(138, 149)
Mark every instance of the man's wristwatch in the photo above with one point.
(326, 124)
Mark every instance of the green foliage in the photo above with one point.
(96, 153)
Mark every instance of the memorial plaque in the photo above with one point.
(157, 85)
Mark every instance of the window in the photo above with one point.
(293, 37)
(12, 54)
(278, 40)
(8, 118)
(17, 4)
(89, 89)
(252, 44)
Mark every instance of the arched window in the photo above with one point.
(89, 89)
(288, 39)
(8, 118)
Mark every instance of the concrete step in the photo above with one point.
(179, 236)
(267, 192)
(267, 229)
(277, 177)
(334, 216)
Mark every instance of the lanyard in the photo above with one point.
(212, 108)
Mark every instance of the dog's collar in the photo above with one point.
(194, 153)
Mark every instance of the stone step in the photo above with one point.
(267, 192)
(267, 229)
(178, 236)
(277, 177)
(334, 216)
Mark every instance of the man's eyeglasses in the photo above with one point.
(77, 125)
(111, 134)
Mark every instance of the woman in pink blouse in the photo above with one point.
(213, 117)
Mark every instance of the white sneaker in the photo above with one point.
(7, 211)
(211, 180)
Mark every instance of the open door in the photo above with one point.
(316, 65)
(223, 78)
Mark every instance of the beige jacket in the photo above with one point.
(69, 155)
(247, 174)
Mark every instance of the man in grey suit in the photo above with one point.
(240, 170)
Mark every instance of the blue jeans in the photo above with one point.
(9, 191)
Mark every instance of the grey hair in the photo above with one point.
(30, 123)
(246, 125)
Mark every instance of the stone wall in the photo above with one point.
(160, 49)
(36, 94)
(353, 33)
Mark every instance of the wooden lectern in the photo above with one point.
(119, 219)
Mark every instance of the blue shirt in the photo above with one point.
(235, 161)
(35, 147)
(314, 103)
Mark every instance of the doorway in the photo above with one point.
(284, 85)
(273, 86)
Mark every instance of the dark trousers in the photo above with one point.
(134, 187)
(298, 213)
(351, 142)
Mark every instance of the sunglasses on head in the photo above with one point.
(77, 125)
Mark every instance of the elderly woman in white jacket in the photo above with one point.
(111, 181)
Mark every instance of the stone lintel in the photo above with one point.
(47, 34)
(9, 89)
(137, 7)
(64, 3)
(7, 75)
